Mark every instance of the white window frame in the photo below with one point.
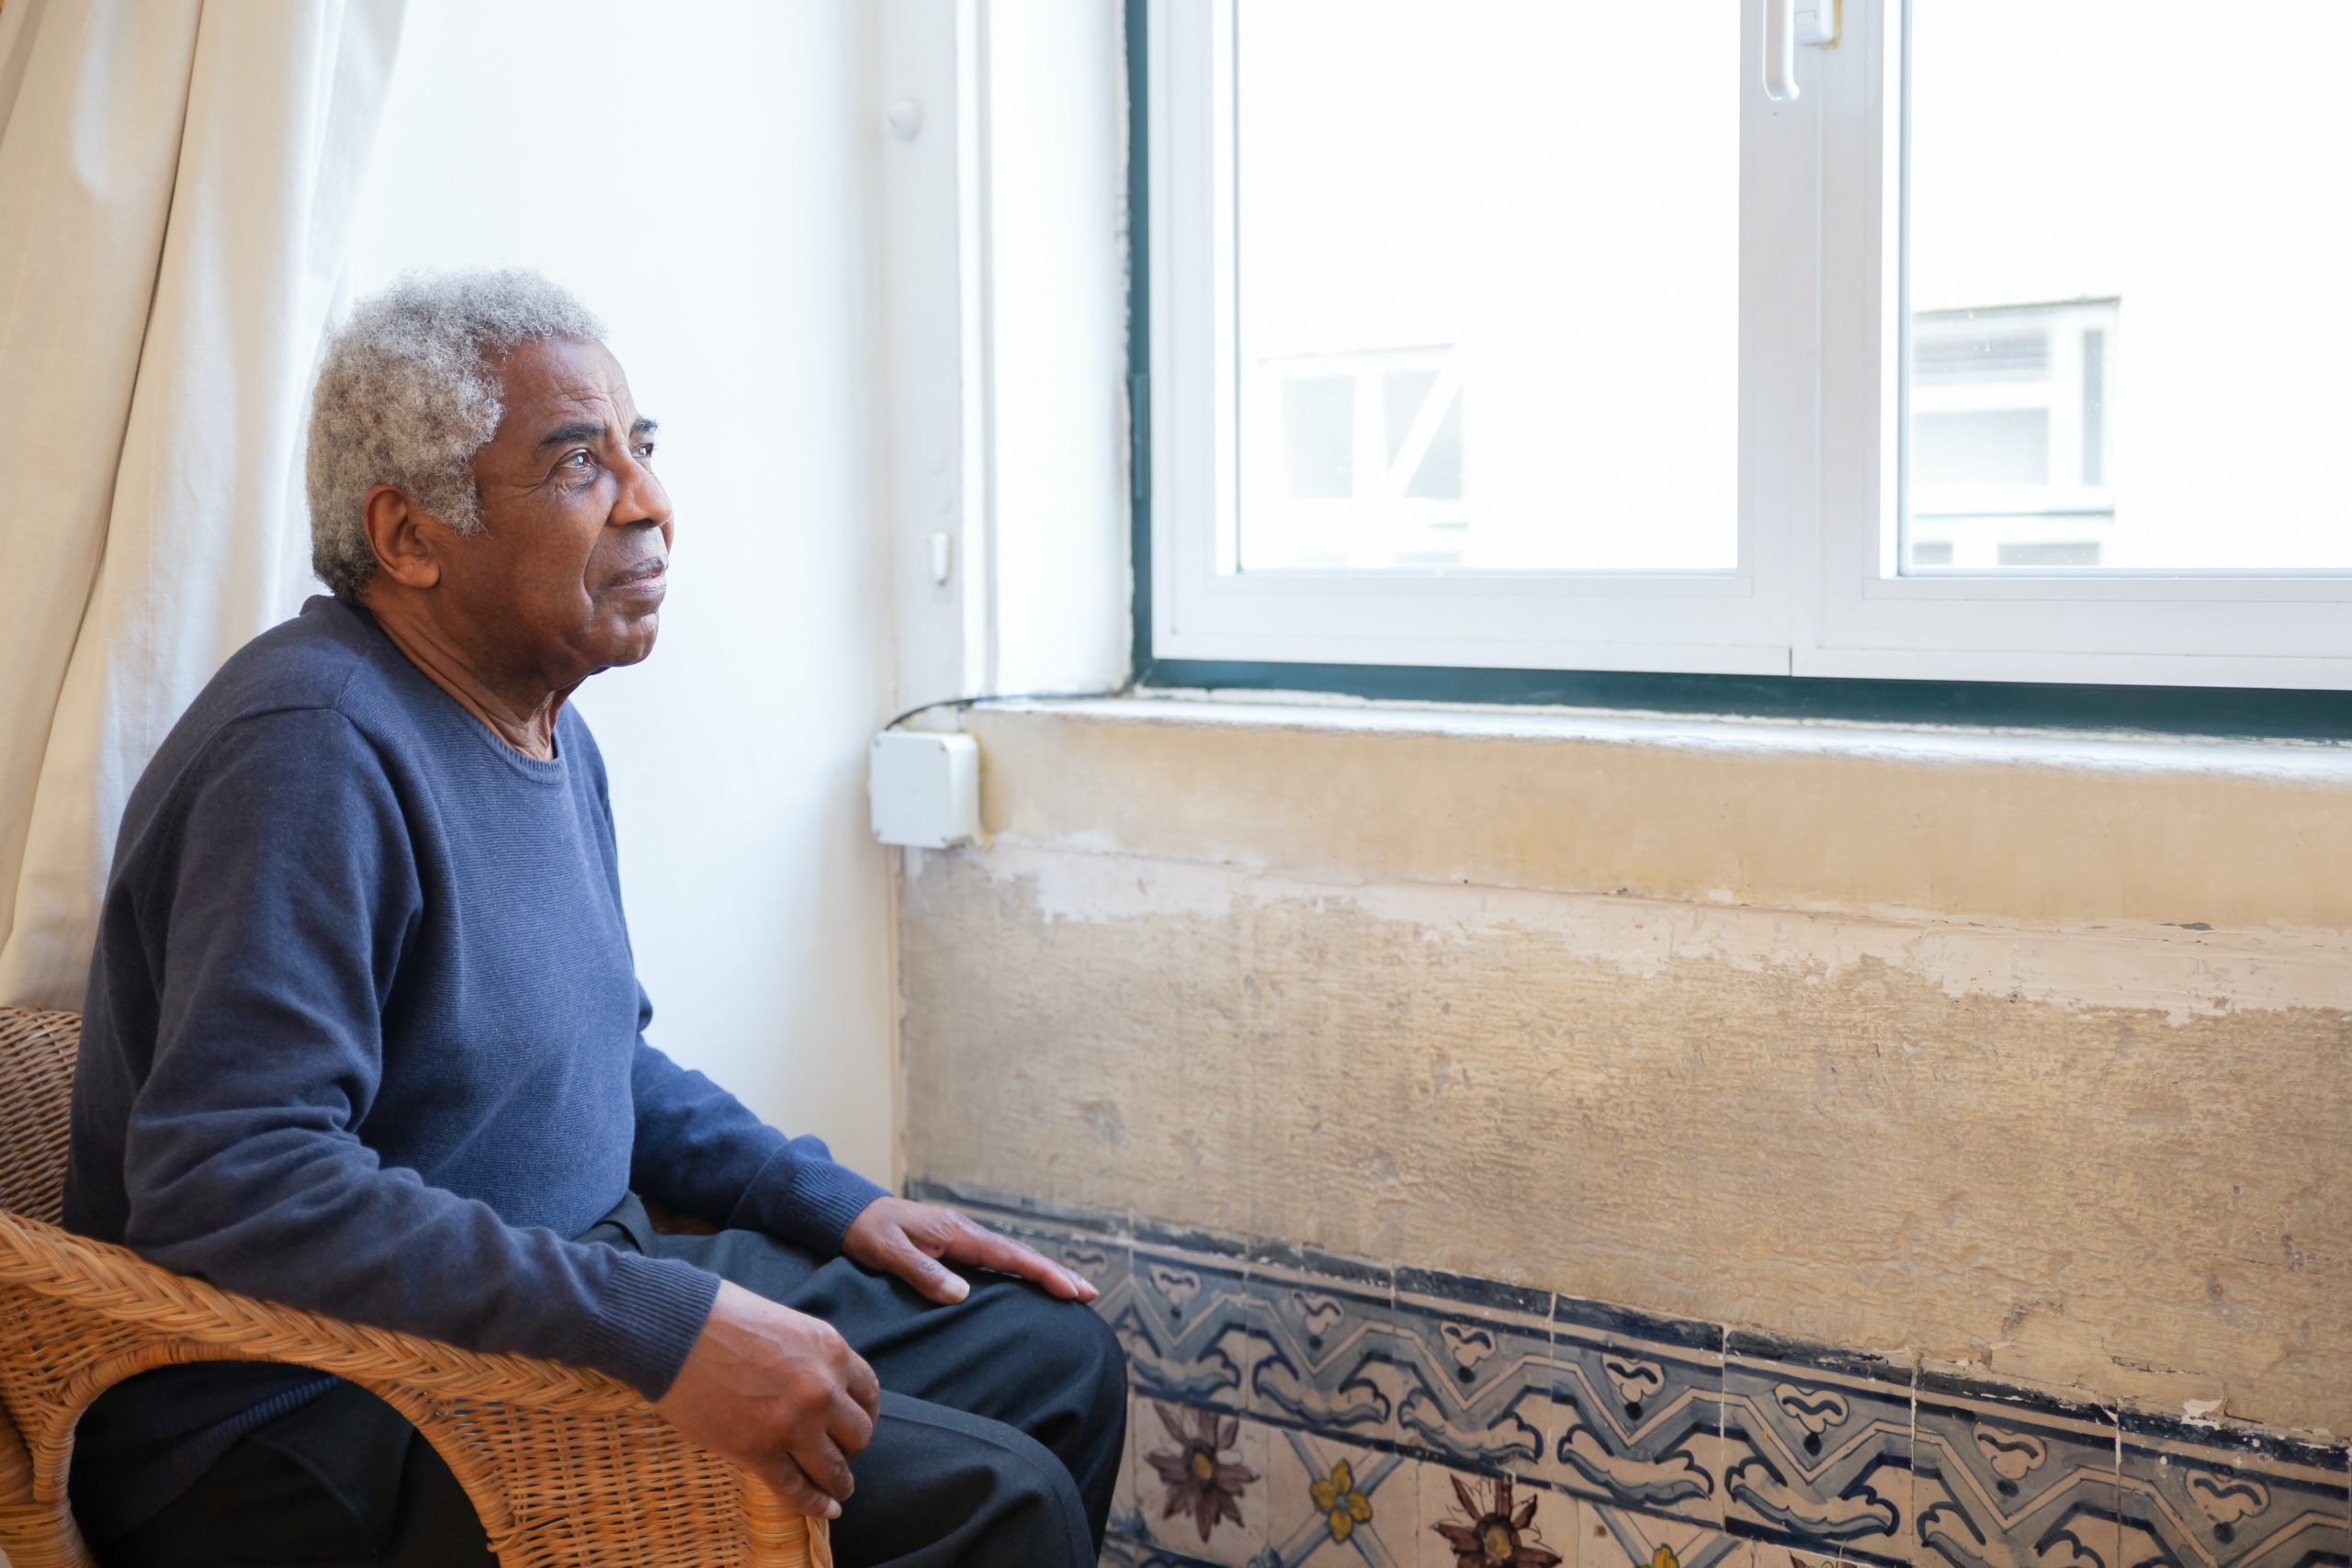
(1821, 325)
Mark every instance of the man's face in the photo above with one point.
(568, 574)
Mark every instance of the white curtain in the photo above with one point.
(177, 179)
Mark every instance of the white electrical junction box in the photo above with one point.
(925, 787)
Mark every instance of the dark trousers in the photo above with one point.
(1002, 1419)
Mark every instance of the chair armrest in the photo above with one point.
(565, 1466)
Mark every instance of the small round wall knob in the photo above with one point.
(905, 120)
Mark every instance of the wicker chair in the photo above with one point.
(565, 1467)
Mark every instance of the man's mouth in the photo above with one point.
(648, 574)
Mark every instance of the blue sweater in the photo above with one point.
(364, 1035)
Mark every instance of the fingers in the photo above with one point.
(856, 1405)
(864, 1387)
(850, 1427)
(781, 1393)
(927, 1274)
(855, 1402)
(822, 1462)
(786, 1480)
(813, 1473)
(973, 1242)
(910, 1246)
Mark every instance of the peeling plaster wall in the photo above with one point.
(1986, 1050)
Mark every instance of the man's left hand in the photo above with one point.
(917, 1241)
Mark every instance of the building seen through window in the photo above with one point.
(1472, 338)
(2007, 455)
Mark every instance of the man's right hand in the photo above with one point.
(779, 1392)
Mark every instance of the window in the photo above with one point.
(2008, 436)
(1541, 338)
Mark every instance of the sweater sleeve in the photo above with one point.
(278, 932)
(700, 1151)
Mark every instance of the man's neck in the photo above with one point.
(520, 713)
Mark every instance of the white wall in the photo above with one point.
(700, 176)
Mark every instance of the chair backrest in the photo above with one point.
(36, 1092)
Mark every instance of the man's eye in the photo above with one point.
(645, 453)
(577, 460)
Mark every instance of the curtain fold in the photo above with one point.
(177, 181)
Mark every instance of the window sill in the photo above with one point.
(2023, 828)
(2319, 762)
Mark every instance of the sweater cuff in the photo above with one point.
(652, 1313)
(828, 1198)
(809, 1201)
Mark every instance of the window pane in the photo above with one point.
(1319, 436)
(2127, 270)
(1487, 313)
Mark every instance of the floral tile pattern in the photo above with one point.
(1817, 1449)
(1322, 1410)
(1476, 1363)
(2206, 1498)
(1186, 1324)
(1493, 1521)
(2001, 1480)
(1338, 1505)
(1326, 1346)
(1636, 1416)
(1197, 1480)
(1620, 1538)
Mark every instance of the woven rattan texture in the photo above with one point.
(566, 1467)
(36, 1087)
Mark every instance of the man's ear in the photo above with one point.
(404, 537)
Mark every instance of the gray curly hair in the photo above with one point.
(407, 393)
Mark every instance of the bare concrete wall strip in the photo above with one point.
(2034, 830)
(2083, 1147)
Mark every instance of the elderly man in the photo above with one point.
(364, 1035)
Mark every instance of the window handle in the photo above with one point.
(1787, 23)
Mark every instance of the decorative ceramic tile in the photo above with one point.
(1186, 1327)
(1123, 1551)
(1221, 1246)
(1318, 1410)
(1476, 1363)
(1108, 1264)
(1817, 1449)
(1197, 1480)
(2208, 1497)
(2008, 1480)
(1127, 1552)
(1620, 1538)
(1324, 1335)
(1338, 1505)
(1636, 1413)
(1470, 1520)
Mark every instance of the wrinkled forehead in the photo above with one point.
(555, 380)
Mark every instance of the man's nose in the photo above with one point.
(642, 499)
